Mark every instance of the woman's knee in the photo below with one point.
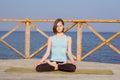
(44, 67)
(67, 67)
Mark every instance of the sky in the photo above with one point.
(65, 9)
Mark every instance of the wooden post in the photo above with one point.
(79, 41)
(27, 40)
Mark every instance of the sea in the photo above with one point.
(89, 41)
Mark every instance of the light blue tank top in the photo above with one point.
(59, 49)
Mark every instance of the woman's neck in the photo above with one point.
(59, 35)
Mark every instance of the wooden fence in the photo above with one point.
(29, 23)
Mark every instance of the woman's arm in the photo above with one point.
(69, 45)
(46, 55)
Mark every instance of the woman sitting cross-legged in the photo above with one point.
(60, 47)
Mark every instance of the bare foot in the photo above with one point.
(53, 64)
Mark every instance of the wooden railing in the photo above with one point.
(29, 24)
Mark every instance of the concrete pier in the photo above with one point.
(29, 63)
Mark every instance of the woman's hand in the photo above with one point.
(74, 63)
(37, 63)
(41, 62)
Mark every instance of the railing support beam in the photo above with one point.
(79, 41)
(27, 40)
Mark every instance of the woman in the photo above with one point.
(60, 46)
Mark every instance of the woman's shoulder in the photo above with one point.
(69, 37)
(50, 38)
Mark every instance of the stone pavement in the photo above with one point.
(5, 64)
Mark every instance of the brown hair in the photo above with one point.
(55, 25)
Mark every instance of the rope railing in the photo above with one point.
(79, 56)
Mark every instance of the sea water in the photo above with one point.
(89, 41)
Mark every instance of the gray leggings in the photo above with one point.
(68, 67)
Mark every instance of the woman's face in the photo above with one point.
(60, 27)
